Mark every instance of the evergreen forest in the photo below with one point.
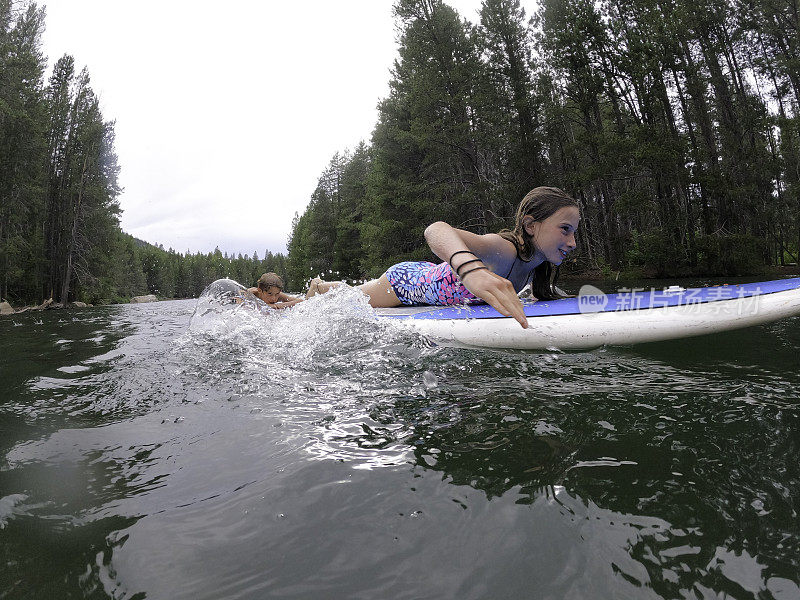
(675, 123)
(59, 215)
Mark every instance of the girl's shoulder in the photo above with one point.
(496, 252)
(495, 244)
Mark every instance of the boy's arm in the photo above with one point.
(287, 303)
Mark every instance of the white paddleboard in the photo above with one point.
(593, 320)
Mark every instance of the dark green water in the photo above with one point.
(290, 457)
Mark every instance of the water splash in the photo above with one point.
(325, 361)
(322, 331)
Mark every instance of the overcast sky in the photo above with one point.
(227, 113)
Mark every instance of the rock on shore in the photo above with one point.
(7, 309)
(140, 299)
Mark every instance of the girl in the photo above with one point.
(492, 267)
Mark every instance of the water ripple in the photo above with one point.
(286, 454)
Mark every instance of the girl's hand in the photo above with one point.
(498, 292)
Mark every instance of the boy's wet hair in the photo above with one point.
(268, 280)
(540, 203)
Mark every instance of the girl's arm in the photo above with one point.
(494, 252)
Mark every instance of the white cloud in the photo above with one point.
(226, 114)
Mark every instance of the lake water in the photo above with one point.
(146, 455)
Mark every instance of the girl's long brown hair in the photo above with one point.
(540, 203)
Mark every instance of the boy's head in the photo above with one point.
(271, 285)
(268, 280)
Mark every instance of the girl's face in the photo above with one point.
(554, 237)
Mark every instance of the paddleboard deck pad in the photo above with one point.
(595, 319)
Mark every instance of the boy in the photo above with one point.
(270, 289)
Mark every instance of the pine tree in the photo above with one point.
(22, 150)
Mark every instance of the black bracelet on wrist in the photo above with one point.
(459, 252)
(466, 262)
(461, 277)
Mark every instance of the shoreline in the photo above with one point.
(7, 310)
(568, 275)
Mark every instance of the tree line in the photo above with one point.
(169, 274)
(59, 216)
(674, 122)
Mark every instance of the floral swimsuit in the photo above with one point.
(427, 283)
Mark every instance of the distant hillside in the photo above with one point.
(141, 243)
